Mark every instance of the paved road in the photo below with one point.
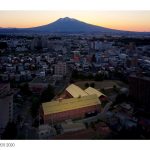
(100, 116)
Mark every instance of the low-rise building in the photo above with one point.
(39, 84)
(74, 91)
(72, 108)
(46, 131)
(99, 94)
(72, 127)
(60, 68)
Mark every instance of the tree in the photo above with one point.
(10, 131)
(25, 89)
(120, 98)
(93, 125)
(93, 58)
(103, 90)
(35, 107)
(90, 76)
(86, 125)
(75, 74)
(3, 45)
(98, 77)
(92, 84)
(71, 81)
(115, 88)
(86, 85)
(47, 94)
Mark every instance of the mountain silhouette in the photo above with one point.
(66, 25)
(70, 25)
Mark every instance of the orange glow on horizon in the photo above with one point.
(121, 20)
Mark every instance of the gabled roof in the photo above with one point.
(70, 104)
(75, 91)
(91, 91)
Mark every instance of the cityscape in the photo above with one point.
(74, 80)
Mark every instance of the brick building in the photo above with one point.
(100, 95)
(74, 91)
(72, 108)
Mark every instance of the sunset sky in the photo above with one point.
(123, 20)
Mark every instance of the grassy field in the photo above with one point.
(105, 86)
(101, 84)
